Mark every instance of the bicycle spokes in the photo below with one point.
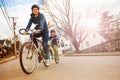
(27, 58)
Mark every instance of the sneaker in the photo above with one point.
(57, 61)
(47, 62)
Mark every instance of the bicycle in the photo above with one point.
(28, 53)
(52, 53)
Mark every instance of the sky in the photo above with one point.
(22, 10)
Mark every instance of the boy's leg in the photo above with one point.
(45, 45)
(45, 41)
(55, 48)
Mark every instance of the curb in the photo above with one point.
(93, 54)
(4, 60)
(90, 55)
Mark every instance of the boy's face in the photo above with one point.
(35, 11)
(52, 34)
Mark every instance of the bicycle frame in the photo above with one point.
(40, 46)
(34, 47)
(29, 50)
(27, 53)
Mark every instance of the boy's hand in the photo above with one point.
(25, 33)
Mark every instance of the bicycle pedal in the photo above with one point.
(39, 59)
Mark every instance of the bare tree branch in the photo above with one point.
(63, 16)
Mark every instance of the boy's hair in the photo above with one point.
(52, 31)
(35, 6)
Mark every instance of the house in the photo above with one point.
(93, 39)
(4, 43)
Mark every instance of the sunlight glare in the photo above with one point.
(92, 23)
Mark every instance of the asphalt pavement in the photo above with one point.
(69, 68)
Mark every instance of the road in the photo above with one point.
(69, 68)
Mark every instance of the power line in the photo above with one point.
(4, 6)
(6, 18)
(5, 13)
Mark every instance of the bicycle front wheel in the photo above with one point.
(28, 58)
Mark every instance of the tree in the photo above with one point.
(64, 18)
(110, 26)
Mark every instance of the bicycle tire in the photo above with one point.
(27, 63)
(57, 59)
(56, 56)
(44, 60)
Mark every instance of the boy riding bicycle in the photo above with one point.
(54, 43)
(41, 29)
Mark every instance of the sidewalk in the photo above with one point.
(3, 60)
(93, 54)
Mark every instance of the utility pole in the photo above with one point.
(14, 33)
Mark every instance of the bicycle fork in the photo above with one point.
(30, 55)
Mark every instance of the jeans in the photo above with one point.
(45, 37)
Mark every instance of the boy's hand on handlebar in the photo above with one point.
(25, 33)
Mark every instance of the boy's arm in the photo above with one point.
(42, 22)
(29, 23)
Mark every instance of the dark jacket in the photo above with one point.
(40, 21)
(54, 40)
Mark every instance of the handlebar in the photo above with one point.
(29, 31)
(21, 31)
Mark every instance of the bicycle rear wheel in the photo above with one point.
(43, 58)
(57, 59)
(28, 58)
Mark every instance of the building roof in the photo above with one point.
(1, 41)
(7, 41)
